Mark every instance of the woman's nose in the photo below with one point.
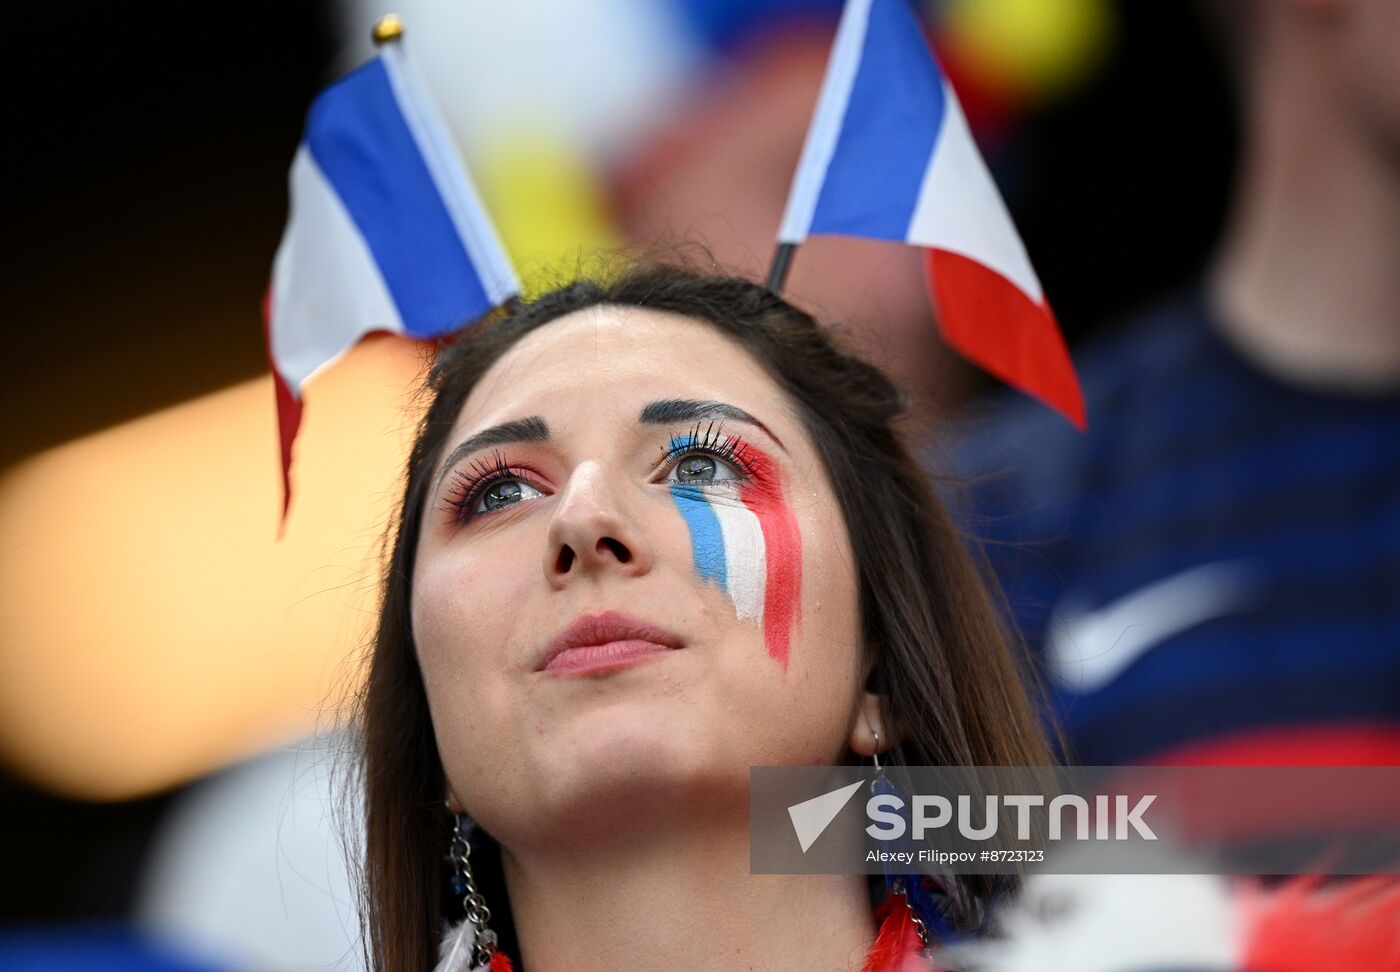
(591, 532)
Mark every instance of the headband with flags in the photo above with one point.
(386, 233)
(889, 155)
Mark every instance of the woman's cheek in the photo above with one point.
(431, 609)
(749, 545)
(462, 655)
(830, 608)
(453, 617)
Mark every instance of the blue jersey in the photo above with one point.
(1212, 573)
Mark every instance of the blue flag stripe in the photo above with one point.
(706, 537)
(887, 136)
(430, 130)
(356, 133)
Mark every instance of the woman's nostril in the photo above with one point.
(618, 550)
(565, 561)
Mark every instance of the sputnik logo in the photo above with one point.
(810, 818)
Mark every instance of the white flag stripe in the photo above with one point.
(825, 129)
(959, 208)
(459, 197)
(745, 563)
(326, 287)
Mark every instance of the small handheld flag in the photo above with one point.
(889, 155)
(386, 232)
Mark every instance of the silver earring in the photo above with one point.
(469, 944)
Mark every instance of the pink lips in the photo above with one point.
(596, 643)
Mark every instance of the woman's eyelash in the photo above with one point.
(711, 438)
(468, 484)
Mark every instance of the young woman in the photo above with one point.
(657, 531)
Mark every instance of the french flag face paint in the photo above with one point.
(748, 545)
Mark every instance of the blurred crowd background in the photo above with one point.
(162, 656)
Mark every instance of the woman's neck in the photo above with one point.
(685, 900)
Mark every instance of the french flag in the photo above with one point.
(386, 233)
(749, 546)
(727, 548)
(889, 155)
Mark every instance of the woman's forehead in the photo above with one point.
(606, 359)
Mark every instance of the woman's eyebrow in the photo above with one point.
(532, 429)
(671, 410)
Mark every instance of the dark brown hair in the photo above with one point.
(948, 681)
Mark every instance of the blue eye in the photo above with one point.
(503, 493)
(707, 455)
(487, 486)
(701, 467)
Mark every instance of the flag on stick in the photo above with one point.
(386, 233)
(889, 155)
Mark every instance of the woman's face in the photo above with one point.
(633, 580)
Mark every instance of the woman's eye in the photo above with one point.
(505, 492)
(701, 468)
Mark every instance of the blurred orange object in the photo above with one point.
(154, 628)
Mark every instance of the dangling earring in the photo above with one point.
(908, 887)
(469, 945)
(875, 758)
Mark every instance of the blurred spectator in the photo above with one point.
(250, 867)
(1212, 573)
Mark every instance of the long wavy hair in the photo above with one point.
(949, 682)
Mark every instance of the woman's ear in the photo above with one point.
(868, 735)
(454, 805)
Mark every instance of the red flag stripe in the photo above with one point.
(991, 322)
(289, 409)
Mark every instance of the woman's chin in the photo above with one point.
(617, 771)
(632, 744)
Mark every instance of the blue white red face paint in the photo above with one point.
(746, 541)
